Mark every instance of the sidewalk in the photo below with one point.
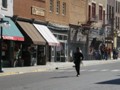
(51, 66)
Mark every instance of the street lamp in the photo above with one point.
(2, 24)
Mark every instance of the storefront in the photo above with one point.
(52, 42)
(59, 54)
(33, 49)
(11, 36)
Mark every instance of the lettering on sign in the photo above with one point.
(38, 11)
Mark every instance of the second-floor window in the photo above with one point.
(64, 8)
(4, 3)
(51, 5)
(100, 12)
(116, 6)
(104, 16)
(89, 12)
(58, 7)
(93, 10)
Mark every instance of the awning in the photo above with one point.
(47, 34)
(12, 32)
(32, 32)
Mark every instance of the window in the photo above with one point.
(4, 3)
(116, 22)
(93, 10)
(58, 7)
(51, 5)
(107, 12)
(89, 12)
(116, 6)
(65, 37)
(112, 14)
(60, 37)
(100, 12)
(104, 16)
(64, 8)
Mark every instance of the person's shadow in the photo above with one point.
(114, 81)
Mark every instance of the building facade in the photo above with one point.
(117, 24)
(77, 17)
(10, 35)
(63, 17)
(30, 9)
(6, 7)
(57, 16)
(33, 13)
(96, 18)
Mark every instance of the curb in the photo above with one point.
(56, 66)
(20, 72)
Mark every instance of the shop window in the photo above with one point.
(65, 37)
(53, 51)
(60, 37)
(4, 3)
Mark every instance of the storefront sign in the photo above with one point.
(38, 11)
(16, 38)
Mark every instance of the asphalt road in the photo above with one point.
(96, 77)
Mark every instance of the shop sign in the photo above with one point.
(38, 11)
(13, 38)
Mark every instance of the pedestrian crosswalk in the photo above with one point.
(89, 70)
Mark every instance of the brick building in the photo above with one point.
(30, 18)
(30, 9)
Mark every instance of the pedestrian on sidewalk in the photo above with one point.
(78, 57)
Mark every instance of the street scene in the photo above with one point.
(59, 44)
(94, 76)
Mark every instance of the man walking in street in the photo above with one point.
(78, 57)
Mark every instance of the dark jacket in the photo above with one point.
(78, 57)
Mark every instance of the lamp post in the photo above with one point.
(1, 40)
(2, 24)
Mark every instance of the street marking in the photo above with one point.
(82, 70)
(92, 70)
(104, 70)
(115, 70)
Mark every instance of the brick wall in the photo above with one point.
(23, 8)
(57, 18)
(78, 11)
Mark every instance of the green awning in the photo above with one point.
(12, 32)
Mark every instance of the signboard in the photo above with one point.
(38, 11)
